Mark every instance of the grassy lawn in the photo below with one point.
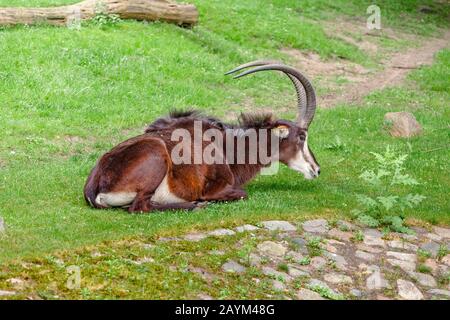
(68, 96)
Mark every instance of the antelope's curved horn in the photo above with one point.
(306, 96)
(301, 95)
(255, 63)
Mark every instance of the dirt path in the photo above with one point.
(396, 69)
(356, 81)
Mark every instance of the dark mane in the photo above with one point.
(256, 120)
(177, 113)
(177, 117)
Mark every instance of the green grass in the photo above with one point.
(67, 96)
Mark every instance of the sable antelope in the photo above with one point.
(140, 173)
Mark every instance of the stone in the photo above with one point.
(17, 283)
(419, 230)
(346, 226)
(330, 248)
(202, 296)
(5, 293)
(406, 266)
(382, 297)
(233, 267)
(306, 294)
(216, 252)
(254, 260)
(424, 279)
(356, 293)
(221, 232)
(373, 241)
(268, 271)
(402, 256)
(446, 260)
(300, 244)
(364, 255)
(433, 237)
(294, 256)
(337, 278)
(278, 285)
(367, 248)
(363, 266)
(402, 124)
(443, 232)
(2, 225)
(398, 244)
(271, 248)
(407, 290)
(206, 276)
(443, 269)
(336, 242)
(168, 239)
(318, 262)
(432, 264)
(376, 280)
(340, 261)
(431, 247)
(143, 260)
(439, 292)
(372, 233)
(409, 237)
(277, 225)
(316, 283)
(315, 226)
(295, 273)
(146, 246)
(340, 235)
(195, 237)
(96, 254)
(246, 227)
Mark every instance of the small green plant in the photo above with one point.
(336, 145)
(423, 268)
(325, 292)
(305, 261)
(381, 210)
(314, 247)
(283, 267)
(423, 254)
(442, 252)
(358, 236)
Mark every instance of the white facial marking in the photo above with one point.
(115, 199)
(163, 195)
(299, 163)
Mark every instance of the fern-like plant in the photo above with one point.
(386, 209)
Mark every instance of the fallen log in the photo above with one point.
(150, 10)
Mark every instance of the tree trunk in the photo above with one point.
(151, 10)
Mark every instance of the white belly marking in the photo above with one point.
(163, 195)
(115, 199)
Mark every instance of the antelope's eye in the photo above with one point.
(302, 137)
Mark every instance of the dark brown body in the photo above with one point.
(141, 164)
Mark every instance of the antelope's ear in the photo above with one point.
(281, 131)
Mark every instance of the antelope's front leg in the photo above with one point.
(229, 193)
